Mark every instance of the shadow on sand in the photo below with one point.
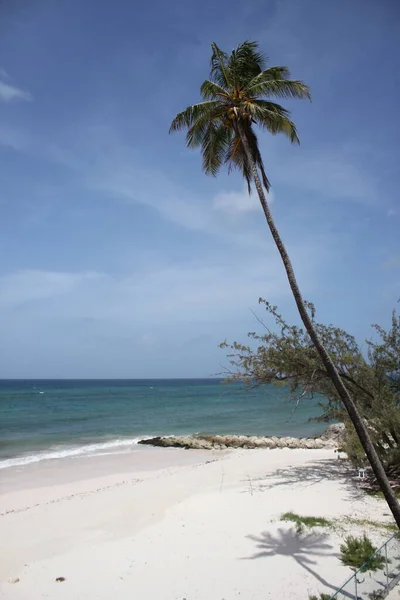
(311, 474)
(301, 548)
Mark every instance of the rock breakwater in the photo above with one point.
(330, 439)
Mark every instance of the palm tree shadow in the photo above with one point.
(303, 548)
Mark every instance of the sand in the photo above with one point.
(168, 524)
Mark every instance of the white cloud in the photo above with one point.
(113, 169)
(118, 176)
(25, 287)
(159, 293)
(9, 93)
(84, 324)
(337, 171)
(104, 162)
(329, 175)
(233, 202)
(150, 188)
(176, 293)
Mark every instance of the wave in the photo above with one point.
(110, 447)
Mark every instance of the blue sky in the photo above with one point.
(118, 257)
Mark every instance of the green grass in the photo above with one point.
(302, 522)
(308, 522)
(370, 524)
(379, 494)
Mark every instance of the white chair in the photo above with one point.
(361, 473)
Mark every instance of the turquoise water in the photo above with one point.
(54, 418)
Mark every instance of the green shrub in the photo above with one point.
(357, 553)
(320, 597)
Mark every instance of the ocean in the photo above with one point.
(47, 419)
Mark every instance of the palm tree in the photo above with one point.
(236, 98)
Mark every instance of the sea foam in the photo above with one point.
(109, 447)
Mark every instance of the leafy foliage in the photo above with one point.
(238, 92)
(358, 553)
(320, 597)
(286, 356)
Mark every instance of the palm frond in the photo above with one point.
(249, 51)
(196, 133)
(258, 107)
(215, 144)
(187, 117)
(218, 67)
(277, 72)
(274, 118)
(211, 90)
(236, 159)
(246, 62)
(265, 85)
(254, 148)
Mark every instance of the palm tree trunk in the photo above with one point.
(341, 389)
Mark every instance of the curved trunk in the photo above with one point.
(341, 389)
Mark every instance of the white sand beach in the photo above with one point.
(168, 524)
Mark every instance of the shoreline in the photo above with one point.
(119, 446)
(162, 523)
(50, 479)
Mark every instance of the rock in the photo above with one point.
(60, 579)
(334, 433)
(156, 441)
(206, 445)
(268, 443)
(258, 442)
(330, 439)
(231, 441)
(14, 580)
(171, 442)
(219, 439)
(292, 443)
